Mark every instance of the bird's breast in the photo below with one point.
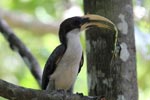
(67, 69)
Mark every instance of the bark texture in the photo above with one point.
(13, 92)
(116, 80)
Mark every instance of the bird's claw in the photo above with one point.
(61, 90)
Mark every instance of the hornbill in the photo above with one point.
(65, 62)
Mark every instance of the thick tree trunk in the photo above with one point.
(116, 81)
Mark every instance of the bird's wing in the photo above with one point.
(81, 63)
(51, 63)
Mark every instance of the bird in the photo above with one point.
(65, 62)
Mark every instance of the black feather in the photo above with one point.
(51, 65)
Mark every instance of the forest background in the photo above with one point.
(36, 23)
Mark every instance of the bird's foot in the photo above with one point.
(61, 90)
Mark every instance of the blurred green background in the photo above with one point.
(42, 44)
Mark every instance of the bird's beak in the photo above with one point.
(92, 20)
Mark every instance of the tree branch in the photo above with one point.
(13, 92)
(16, 45)
(27, 22)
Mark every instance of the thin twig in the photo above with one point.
(16, 45)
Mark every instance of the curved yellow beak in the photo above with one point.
(92, 20)
(98, 21)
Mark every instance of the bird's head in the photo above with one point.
(81, 23)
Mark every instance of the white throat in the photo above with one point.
(74, 47)
(74, 44)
